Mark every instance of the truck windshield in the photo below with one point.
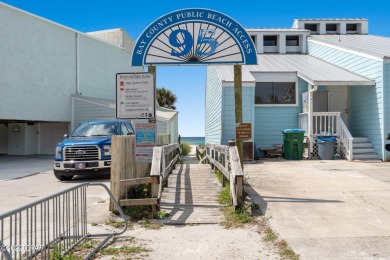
(103, 129)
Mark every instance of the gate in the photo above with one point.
(50, 226)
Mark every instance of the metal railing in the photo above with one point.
(50, 226)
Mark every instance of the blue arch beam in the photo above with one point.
(194, 37)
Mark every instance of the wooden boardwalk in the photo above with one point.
(191, 196)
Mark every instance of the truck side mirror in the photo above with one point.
(66, 135)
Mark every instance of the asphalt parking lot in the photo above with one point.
(326, 209)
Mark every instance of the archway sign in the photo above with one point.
(198, 37)
(194, 37)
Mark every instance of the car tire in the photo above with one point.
(62, 177)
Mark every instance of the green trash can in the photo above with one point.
(293, 144)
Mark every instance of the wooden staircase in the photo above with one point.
(363, 150)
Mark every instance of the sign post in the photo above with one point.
(243, 131)
(135, 99)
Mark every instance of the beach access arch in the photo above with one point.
(199, 37)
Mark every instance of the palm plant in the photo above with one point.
(166, 98)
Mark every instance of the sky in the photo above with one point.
(188, 83)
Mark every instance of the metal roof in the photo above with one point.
(372, 45)
(163, 114)
(289, 30)
(226, 74)
(331, 19)
(311, 69)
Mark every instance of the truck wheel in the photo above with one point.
(62, 177)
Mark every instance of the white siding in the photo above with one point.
(89, 111)
(39, 69)
(213, 113)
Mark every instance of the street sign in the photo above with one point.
(243, 131)
(135, 95)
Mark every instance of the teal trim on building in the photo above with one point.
(366, 102)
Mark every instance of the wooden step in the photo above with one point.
(191, 196)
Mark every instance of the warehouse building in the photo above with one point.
(45, 69)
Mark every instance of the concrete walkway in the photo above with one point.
(18, 166)
(326, 209)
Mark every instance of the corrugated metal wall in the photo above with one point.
(88, 111)
(213, 111)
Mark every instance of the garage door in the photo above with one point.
(50, 135)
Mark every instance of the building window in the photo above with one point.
(351, 27)
(271, 40)
(292, 40)
(331, 27)
(253, 37)
(311, 27)
(275, 93)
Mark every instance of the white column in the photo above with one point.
(282, 43)
(310, 91)
(260, 43)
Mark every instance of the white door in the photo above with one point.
(338, 101)
(50, 135)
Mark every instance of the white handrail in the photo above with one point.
(345, 138)
(328, 123)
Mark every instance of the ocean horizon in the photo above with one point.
(193, 140)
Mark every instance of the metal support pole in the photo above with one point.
(238, 105)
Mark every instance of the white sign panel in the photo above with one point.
(145, 136)
(135, 95)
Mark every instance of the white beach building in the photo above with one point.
(54, 77)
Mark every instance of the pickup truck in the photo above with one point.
(88, 149)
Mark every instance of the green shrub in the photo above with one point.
(185, 149)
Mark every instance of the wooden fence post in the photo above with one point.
(212, 156)
(122, 165)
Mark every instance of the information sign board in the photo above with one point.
(145, 136)
(243, 131)
(135, 95)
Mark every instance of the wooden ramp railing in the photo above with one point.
(194, 185)
(125, 172)
(226, 159)
(164, 161)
